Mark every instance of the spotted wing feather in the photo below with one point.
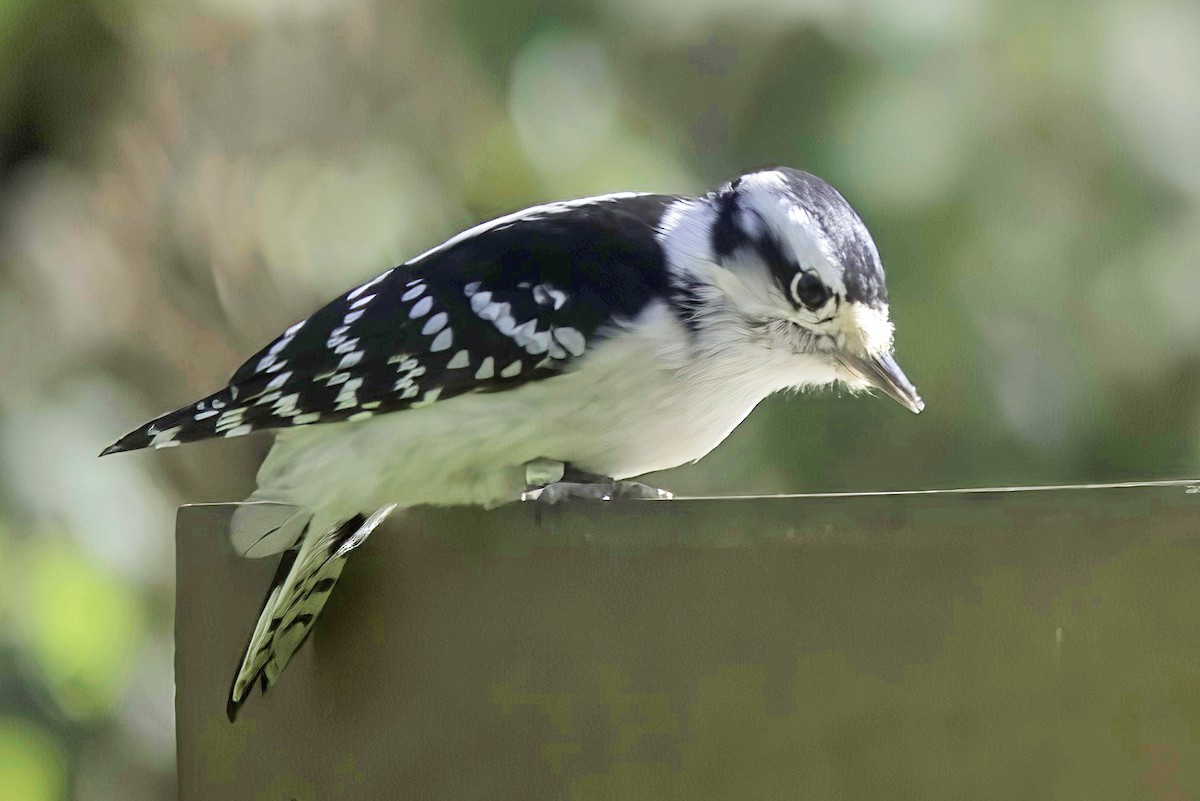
(513, 303)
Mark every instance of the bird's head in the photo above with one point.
(798, 268)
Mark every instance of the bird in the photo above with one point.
(556, 352)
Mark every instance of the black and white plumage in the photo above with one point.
(608, 337)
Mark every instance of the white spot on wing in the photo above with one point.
(442, 341)
(480, 301)
(460, 360)
(279, 380)
(539, 342)
(506, 325)
(570, 339)
(240, 431)
(350, 359)
(421, 308)
(413, 293)
(548, 295)
(486, 370)
(162, 438)
(435, 323)
(430, 396)
(512, 370)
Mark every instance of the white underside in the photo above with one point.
(641, 401)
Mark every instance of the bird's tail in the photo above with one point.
(298, 592)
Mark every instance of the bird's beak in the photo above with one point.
(882, 373)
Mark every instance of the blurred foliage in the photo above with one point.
(179, 181)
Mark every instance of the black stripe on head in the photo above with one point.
(771, 251)
(727, 234)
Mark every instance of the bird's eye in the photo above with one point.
(809, 290)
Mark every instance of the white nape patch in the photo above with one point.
(685, 233)
(413, 293)
(165, 438)
(570, 339)
(420, 308)
(442, 341)
(363, 301)
(354, 418)
(240, 431)
(305, 419)
(533, 212)
(435, 323)
(486, 370)
(356, 292)
(204, 415)
(278, 381)
(218, 404)
(350, 359)
(512, 370)
(460, 360)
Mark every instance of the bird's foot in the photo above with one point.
(550, 482)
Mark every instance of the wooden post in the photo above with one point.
(689, 649)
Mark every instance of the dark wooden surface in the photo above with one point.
(475, 655)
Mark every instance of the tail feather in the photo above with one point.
(298, 594)
(218, 414)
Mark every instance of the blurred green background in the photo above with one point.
(181, 180)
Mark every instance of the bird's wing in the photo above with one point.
(512, 301)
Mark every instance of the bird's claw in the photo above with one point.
(561, 490)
